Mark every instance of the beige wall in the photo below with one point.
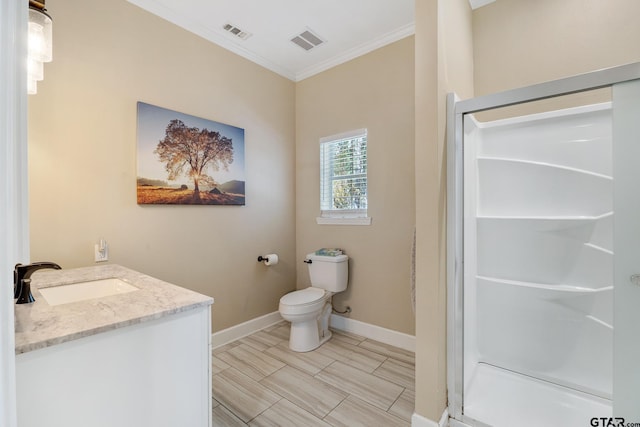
(82, 144)
(376, 92)
(518, 43)
(522, 42)
(444, 64)
(430, 398)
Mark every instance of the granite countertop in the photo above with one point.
(40, 325)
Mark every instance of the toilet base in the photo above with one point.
(310, 334)
(304, 336)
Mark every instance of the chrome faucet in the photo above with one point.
(22, 280)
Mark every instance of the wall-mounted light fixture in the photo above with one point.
(40, 43)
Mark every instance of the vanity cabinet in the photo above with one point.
(153, 374)
(139, 359)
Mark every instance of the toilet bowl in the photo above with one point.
(309, 309)
(306, 310)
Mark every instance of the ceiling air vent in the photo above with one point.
(307, 40)
(233, 30)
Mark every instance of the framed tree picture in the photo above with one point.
(187, 160)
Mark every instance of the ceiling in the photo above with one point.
(346, 29)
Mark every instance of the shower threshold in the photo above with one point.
(502, 398)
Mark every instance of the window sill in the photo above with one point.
(366, 220)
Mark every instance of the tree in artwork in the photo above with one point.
(192, 152)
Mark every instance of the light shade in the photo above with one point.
(40, 44)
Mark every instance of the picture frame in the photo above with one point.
(188, 160)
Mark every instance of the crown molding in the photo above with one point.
(223, 40)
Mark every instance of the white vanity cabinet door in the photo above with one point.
(155, 373)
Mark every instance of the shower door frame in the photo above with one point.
(456, 110)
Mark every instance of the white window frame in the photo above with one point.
(340, 216)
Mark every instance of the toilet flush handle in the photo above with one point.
(308, 261)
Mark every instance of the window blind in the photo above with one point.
(343, 174)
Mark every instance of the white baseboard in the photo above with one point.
(367, 330)
(420, 421)
(378, 333)
(249, 327)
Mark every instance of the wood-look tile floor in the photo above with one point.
(349, 381)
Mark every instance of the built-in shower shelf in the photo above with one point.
(545, 165)
(568, 218)
(514, 223)
(560, 288)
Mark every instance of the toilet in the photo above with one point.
(309, 309)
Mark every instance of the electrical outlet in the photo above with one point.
(101, 255)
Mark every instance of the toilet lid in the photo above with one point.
(304, 296)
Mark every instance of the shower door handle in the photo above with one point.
(635, 279)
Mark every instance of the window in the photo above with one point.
(343, 178)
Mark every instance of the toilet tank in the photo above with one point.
(328, 272)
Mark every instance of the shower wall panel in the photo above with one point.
(538, 227)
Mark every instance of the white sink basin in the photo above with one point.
(81, 291)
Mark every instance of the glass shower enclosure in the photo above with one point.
(543, 284)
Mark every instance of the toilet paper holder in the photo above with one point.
(268, 259)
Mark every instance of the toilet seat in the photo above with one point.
(303, 302)
(303, 297)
